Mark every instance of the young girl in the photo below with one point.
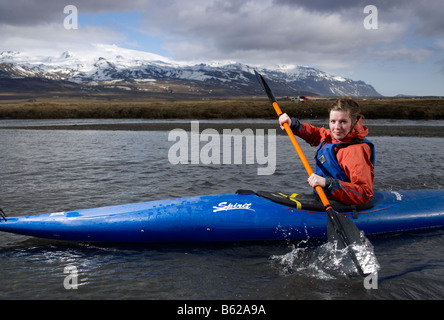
(344, 158)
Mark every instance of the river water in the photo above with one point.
(58, 170)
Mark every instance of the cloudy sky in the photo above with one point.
(400, 50)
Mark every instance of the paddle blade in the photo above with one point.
(265, 86)
(344, 232)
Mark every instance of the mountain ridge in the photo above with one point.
(139, 71)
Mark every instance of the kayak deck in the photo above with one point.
(242, 216)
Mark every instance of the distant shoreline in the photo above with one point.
(374, 130)
(407, 109)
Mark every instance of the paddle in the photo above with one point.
(340, 229)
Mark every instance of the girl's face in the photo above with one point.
(340, 124)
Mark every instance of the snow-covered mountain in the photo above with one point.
(109, 63)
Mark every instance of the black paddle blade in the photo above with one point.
(265, 86)
(344, 232)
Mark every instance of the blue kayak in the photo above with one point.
(240, 216)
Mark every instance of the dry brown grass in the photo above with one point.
(211, 109)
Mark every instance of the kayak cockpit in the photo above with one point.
(309, 202)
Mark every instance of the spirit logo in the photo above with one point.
(225, 206)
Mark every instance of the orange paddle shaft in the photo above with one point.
(301, 155)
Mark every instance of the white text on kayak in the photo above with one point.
(225, 206)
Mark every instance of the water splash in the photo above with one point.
(326, 261)
(365, 254)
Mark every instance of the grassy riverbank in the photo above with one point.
(414, 109)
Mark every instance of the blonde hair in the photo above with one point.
(347, 105)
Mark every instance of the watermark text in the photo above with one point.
(371, 281)
(371, 20)
(232, 147)
(71, 21)
(71, 280)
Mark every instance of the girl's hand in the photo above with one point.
(315, 180)
(284, 118)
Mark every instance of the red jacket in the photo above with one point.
(354, 161)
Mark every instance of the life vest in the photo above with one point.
(327, 164)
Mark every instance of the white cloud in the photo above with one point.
(264, 32)
(322, 33)
(53, 38)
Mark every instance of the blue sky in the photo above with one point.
(404, 55)
(128, 24)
